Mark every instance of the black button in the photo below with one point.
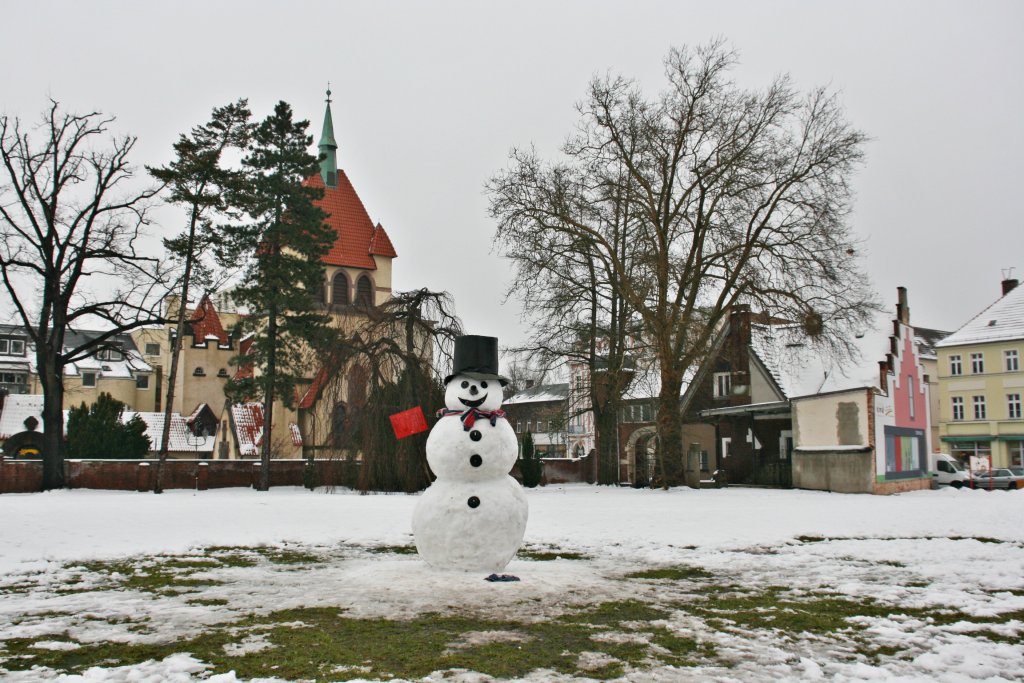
(473, 502)
(475, 460)
(475, 435)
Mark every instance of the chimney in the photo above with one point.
(1009, 284)
(902, 309)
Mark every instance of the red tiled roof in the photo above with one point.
(380, 243)
(357, 239)
(244, 370)
(206, 323)
(248, 423)
(314, 389)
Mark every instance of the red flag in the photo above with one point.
(408, 422)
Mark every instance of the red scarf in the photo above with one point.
(469, 416)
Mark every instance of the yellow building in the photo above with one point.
(981, 383)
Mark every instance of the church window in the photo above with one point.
(338, 417)
(364, 291)
(339, 289)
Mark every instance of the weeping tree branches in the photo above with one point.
(725, 195)
(386, 364)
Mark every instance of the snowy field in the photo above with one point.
(935, 580)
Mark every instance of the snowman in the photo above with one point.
(473, 516)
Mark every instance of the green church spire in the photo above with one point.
(328, 148)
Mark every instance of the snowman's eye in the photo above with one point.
(483, 385)
(465, 384)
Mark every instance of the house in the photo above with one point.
(858, 423)
(540, 410)
(117, 369)
(981, 383)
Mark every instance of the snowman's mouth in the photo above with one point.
(473, 404)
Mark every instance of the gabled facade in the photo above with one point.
(981, 383)
(790, 415)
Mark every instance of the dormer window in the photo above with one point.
(110, 355)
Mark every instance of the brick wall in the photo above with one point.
(24, 476)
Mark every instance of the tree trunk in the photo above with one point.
(53, 419)
(172, 375)
(606, 432)
(670, 433)
(268, 399)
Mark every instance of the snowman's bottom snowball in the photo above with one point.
(450, 534)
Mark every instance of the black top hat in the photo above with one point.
(476, 357)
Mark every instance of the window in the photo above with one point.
(364, 291)
(339, 416)
(223, 372)
(977, 363)
(1012, 359)
(540, 426)
(88, 379)
(13, 378)
(519, 427)
(958, 407)
(956, 366)
(110, 354)
(1016, 450)
(910, 394)
(979, 407)
(1013, 406)
(726, 444)
(723, 382)
(339, 289)
(12, 346)
(199, 372)
(142, 382)
(152, 349)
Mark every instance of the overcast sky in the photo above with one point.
(430, 96)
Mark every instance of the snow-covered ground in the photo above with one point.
(924, 550)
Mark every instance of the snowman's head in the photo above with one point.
(463, 392)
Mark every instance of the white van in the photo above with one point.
(948, 471)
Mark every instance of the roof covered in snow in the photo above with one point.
(19, 407)
(801, 369)
(540, 394)
(1001, 321)
(180, 438)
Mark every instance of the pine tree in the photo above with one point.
(97, 431)
(200, 183)
(284, 239)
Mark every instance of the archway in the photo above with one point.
(641, 456)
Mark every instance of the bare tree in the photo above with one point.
(69, 222)
(733, 196)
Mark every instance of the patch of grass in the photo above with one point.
(547, 554)
(315, 643)
(680, 573)
(390, 549)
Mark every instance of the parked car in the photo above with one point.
(998, 478)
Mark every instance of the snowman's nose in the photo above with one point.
(473, 390)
